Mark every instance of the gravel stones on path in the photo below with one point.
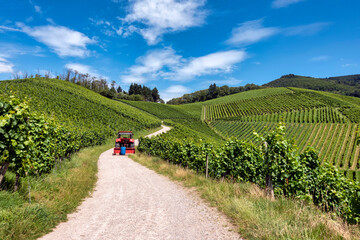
(133, 202)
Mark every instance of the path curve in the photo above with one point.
(133, 202)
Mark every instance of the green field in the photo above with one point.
(250, 94)
(327, 122)
(282, 103)
(77, 107)
(187, 119)
(341, 150)
(312, 118)
(161, 111)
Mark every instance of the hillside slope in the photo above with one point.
(78, 108)
(346, 85)
(326, 121)
(188, 123)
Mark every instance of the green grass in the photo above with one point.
(159, 110)
(324, 137)
(341, 85)
(194, 109)
(53, 195)
(200, 128)
(255, 216)
(248, 95)
(190, 124)
(77, 107)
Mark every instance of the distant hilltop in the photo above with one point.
(346, 85)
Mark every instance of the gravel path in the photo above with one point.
(133, 202)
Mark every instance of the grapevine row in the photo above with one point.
(261, 105)
(314, 115)
(294, 175)
(341, 150)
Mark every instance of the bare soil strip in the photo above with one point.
(133, 202)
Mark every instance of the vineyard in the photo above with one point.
(78, 108)
(188, 124)
(325, 121)
(341, 150)
(69, 117)
(161, 111)
(250, 94)
(281, 103)
(43, 121)
(294, 174)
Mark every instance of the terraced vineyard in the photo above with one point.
(312, 115)
(341, 150)
(161, 111)
(250, 94)
(279, 103)
(325, 121)
(188, 122)
(79, 109)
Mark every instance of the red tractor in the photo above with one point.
(125, 143)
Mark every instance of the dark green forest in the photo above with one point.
(212, 92)
(346, 85)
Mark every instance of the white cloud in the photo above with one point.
(128, 79)
(5, 66)
(319, 58)
(349, 65)
(63, 41)
(166, 64)
(81, 68)
(150, 66)
(251, 32)
(100, 22)
(306, 30)
(154, 18)
(10, 50)
(174, 92)
(5, 28)
(284, 3)
(51, 21)
(37, 9)
(210, 64)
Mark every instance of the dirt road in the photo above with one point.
(133, 202)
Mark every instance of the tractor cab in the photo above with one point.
(124, 143)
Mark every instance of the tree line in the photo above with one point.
(212, 92)
(100, 85)
(345, 85)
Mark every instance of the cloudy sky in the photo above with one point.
(180, 46)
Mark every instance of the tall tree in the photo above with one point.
(155, 95)
(213, 91)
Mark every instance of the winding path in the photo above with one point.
(133, 202)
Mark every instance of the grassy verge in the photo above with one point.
(52, 196)
(255, 216)
(143, 133)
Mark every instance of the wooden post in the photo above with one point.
(3, 169)
(269, 190)
(207, 166)
(16, 182)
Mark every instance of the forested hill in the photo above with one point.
(346, 85)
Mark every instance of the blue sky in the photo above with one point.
(180, 46)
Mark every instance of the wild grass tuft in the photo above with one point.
(255, 216)
(52, 196)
